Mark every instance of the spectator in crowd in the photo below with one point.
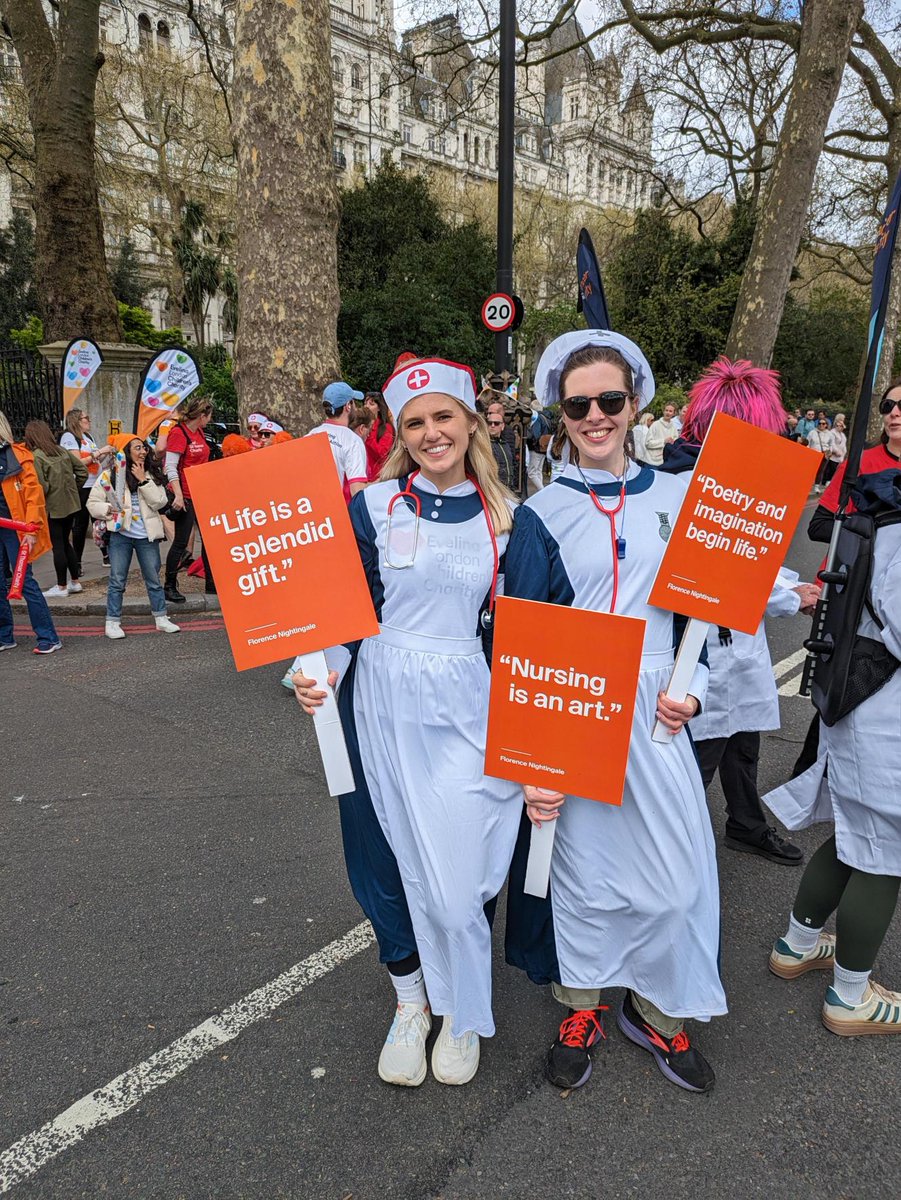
(22, 499)
(62, 476)
(187, 447)
(640, 436)
(348, 450)
(503, 444)
(820, 439)
(791, 427)
(537, 441)
(838, 449)
(128, 497)
(78, 441)
(380, 438)
(807, 423)
(165, 427)
(680, 419)
(360, 422)
(660, 434)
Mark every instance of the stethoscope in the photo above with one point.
(617, 541)
(408, 494)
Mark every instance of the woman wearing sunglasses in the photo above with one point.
(427, 836)
(634, 895)
(884, 456)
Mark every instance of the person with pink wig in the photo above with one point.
(742, 700)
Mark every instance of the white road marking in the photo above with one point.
(791, 686)
(32, 1152)
(787, 665)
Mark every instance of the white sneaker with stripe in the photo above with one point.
(789, 964)
(878, 1012)
(403, 1060)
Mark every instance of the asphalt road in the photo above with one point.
(166, 848)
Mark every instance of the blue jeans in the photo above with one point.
(38, 611)
(120, 551)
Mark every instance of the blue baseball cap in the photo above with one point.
(337, 395)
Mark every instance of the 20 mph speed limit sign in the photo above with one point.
(498, 312)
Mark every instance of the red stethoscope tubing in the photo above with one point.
(610, 514)
(410, 494)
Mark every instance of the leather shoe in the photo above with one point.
(173, 595)
(768, 845)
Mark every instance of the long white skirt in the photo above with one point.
(421, 706)
(635, 889)
(860, 791)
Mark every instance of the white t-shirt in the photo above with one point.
(348, 451)
(88, 445)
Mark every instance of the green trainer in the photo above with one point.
(789, 964)
(878, 1012)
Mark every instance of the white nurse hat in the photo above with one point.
(426, 375)
(555, 357)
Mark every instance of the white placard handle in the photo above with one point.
(538, 868)
(339, 774)
(687, 658)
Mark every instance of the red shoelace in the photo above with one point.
(680, 1042)
(576, 1030)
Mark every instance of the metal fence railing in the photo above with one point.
(29, 389)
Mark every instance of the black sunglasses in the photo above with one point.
(886, 405)
(577, 408)
(265, 433)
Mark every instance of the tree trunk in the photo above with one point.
(826, 32)
(60, 76)
(287, 262)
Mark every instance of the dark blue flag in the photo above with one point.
(592, 301)
(886, 236)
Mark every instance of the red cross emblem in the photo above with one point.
(418, 379)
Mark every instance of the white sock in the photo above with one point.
(410, 988)
(850, 985)
(800, 937)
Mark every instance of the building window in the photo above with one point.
(407, 133)
(145, 31)
(162, 36)
(356, 77)
(466, 146)
(384, 83)
(385, 156)
(338, 155)
(383, 116)
(487, 152)
(478, 148)
(359, 154)
(337, 71)
(518, 140)
(431, 143)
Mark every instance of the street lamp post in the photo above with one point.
(503, 342)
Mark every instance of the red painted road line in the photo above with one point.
(65, 631)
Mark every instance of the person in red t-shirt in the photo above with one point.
(885, 456)
(187, 447)
(380, 438)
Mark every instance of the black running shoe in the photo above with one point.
(769, 845)
(569, 1061)
(675, 1056)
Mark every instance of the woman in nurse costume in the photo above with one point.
(634, 898)
(427, 836)
(741, 693)
(855, 783)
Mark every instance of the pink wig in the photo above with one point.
(738, 388)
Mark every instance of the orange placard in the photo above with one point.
(563, 685)
(282, 551)
(736, 523)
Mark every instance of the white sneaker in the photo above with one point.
(114, 630)
(74, 587)
(164, 625)
(55, 592)
(402, 1060)
(455, 1060)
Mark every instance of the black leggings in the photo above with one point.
(863, 904)
(81, 521)
(184, 523)
(64, 557)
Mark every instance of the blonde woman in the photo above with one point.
(78, 441)
(427, 836)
